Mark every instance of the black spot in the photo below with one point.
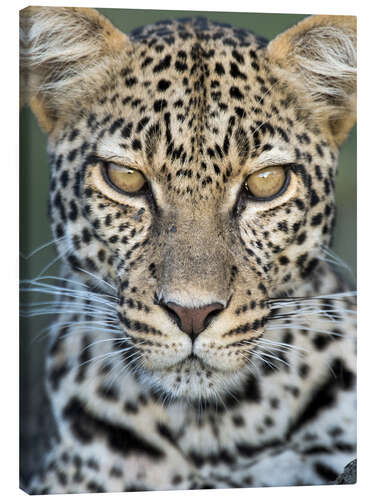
(72, 155)
(275, 403)
(74, 134)
(316, 219)
(344, 447)
(236, 73)
(163, 85)
(146, 62)
(242, 143)
(130, 407)
(301, 238)
(339, 377)
(165, 432)
(74, 262)
(252, 390)
(303, 370)
(197, 459)
(321, 341)
(116, 125)
(219, 68)
(64, 178)
(84, 358)
(283, 226)
(240, 112)
(62, 478)
(180, 66)
(121, 439)
(238, 420)
(86, 235)
(238, 57)
(163, 64)
(130, 82)
(314, 198)
(236, 93)
(301, 260)
(248, 450)
(115, 472)
(126, 131)
(95, 487)
(319, 150)
(56, 374)
(60, 231)
(282, 134)
(176, 480)
(345, 379)
(93, 464)
(142, 123)
(283, 259)
(136, 145)
(325, 472)
(317, 450)
(108, 392)
(335, 431)
(159, 105)
(318, 172)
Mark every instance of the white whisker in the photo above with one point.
(51, 263)
(97, 278)
(304, 328)
(41, 247)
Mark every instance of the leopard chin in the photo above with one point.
(194, 381)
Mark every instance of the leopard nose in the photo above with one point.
(193, 320)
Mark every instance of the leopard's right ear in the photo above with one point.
(65, 53)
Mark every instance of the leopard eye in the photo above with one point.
(267, 183)
(123, 179)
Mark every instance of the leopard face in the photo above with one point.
(195, 112)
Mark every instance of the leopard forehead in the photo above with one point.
(197, 108)
(197, 103)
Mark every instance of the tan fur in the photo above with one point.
(319, 56)
(62, 51)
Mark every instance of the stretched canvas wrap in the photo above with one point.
(188, 320)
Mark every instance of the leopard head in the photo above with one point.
(193, 169)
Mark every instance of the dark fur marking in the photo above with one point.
(120, 439)
(340, 378)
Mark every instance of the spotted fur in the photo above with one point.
(265, 395)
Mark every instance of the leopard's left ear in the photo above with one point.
(318, 57)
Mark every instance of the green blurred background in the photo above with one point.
(34, 224)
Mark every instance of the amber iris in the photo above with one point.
(124, 179)
(267, 182)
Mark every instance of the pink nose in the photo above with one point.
(193, 321)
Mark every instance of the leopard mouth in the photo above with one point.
(193, 357)
(192, 364)
(193, 381)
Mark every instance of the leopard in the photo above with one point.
(200, 338)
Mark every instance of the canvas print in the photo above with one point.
(189, 325)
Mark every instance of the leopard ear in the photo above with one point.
(65, 54)
(318, 57)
